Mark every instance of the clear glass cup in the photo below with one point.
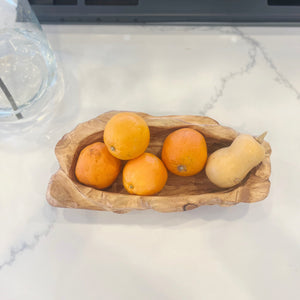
(29, 79)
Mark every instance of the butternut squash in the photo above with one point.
(228, 166)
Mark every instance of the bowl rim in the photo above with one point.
(74, 194)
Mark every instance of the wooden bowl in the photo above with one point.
(179, 194)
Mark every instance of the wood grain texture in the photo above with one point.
(179, 194)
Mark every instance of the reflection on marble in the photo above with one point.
(227, 73)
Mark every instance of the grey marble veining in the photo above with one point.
(254, 48)
(14, 252)
(252, 52)
(280, 77)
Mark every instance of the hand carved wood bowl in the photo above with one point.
(179, 194)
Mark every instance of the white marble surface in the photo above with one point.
(246, 78)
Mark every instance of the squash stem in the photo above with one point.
(260, 138)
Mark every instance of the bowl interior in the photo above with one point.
(176, 185)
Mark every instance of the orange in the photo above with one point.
(126, 135)
(144, 175)
(184, 152)
(96, 167)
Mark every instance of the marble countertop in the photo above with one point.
(246, 78)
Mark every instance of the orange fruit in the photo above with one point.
(126, 135)
(144, 175)
(96, 167)
(184, 152)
